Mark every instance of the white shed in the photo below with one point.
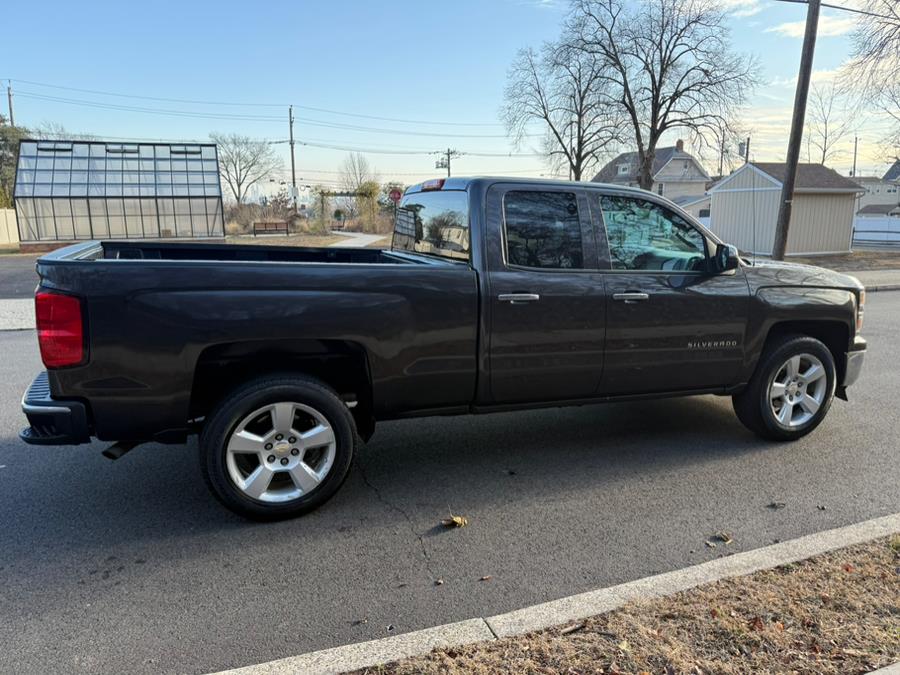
(744, 209)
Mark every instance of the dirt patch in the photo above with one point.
(835, 613)
(305, 240)
(856, 261)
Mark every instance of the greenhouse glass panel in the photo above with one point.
(80, 190)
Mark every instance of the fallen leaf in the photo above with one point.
(714, 613)
(438, 582)
(776, 505)
(711, 544)
(756, 623)
(624, 646)
(724, 537)
(359, 622)
(848, 567)
(455, 521)
(821, 507)
(486, 577)
(390, 627)
(778, 625)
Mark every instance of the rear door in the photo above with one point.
(545, 304)
(672, 324)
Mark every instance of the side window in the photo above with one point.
(645, 236)
(543, 229)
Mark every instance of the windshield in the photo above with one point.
(436, 223)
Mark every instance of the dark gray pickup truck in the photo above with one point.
(496, 294)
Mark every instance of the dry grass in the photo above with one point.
(857, 261)
(307, 240)
(836, 613)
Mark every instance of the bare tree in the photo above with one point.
(565, 89)
(243, 162)
(827, 123)
(875, 61)
(668, 64)
(55, 131)
(355, 171)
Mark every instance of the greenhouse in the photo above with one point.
(72, 190)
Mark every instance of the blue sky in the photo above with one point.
(436, 62)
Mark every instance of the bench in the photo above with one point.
(272, 227)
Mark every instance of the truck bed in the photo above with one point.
(147, 250)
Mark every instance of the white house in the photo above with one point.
(676, 173)
(744, 209)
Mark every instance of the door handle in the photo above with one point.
(518, 298)
(631, 296)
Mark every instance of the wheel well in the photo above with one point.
(340, 364)
(833, 334)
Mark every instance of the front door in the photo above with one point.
(672, 325)
(546, 304)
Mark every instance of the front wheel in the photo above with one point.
(277, 447)
(790, 392)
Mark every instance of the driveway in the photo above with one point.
(131, 566)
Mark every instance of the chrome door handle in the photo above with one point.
(518, 298)
(631, 296)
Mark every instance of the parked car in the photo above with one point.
(496, 294)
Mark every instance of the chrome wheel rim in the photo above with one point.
(798, 390)
(280, 452)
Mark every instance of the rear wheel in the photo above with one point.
(791, 391)
(277, 447)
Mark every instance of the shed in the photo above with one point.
(744, 209)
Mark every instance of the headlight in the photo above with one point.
(861, 310)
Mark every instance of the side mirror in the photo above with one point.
(725, 259)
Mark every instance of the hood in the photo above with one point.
(776, 273)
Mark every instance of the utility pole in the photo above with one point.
(747, 151)
(445, 162)
(293, 165)
(9, 95)
(793, 154)
(855, 148)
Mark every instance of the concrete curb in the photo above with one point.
(583, 605)
(882, 287)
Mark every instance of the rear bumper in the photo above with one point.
(854, 363)
(52, 422)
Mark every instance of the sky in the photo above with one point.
(396, 80)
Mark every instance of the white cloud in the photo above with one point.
(742, 8)
(829, 26)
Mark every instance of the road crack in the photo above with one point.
(420, 537)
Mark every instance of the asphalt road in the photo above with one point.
(131, 566)
(17, 276)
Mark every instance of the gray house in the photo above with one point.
(676, 174)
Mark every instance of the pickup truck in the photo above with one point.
(496, 294)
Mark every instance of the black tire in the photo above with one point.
(752, 405)
(252, 396)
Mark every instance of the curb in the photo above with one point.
(883, 287)
(583, 605)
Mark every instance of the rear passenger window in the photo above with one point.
(543, 229)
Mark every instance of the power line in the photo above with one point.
(844, 8)
(262, 105)
(246, 117)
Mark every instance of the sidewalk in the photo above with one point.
(356, 239)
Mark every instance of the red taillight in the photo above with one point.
(60, 329)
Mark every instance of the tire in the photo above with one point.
(277, 447)
(809, 399)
